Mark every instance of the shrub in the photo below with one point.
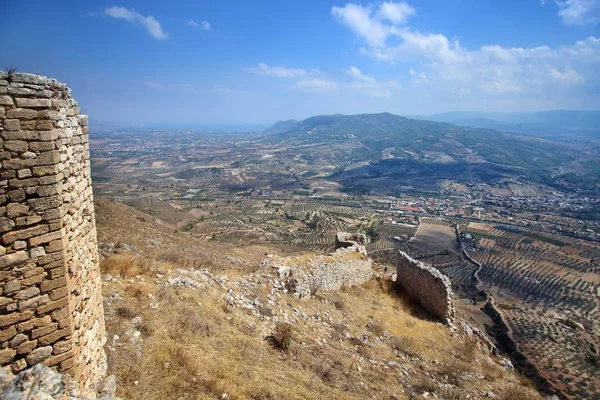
(283, 336)
(404, 344)
(375, 328)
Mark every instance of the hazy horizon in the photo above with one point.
(253, 63)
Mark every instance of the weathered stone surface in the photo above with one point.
(428, 286)
(33, 103)
(13, 258)
(27, 293)
(45, 185)
(15, 145)
(7, 355)
(347, 266)
(38, 355)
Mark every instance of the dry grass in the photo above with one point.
(520, 393)
(192, 349)
(126, 265)
(283, 335)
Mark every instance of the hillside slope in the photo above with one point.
(191, 318)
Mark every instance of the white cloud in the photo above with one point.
(360, 20)
(418, 78)
(568, 75)
(149, 23)
(579, 12)
(280, 72)
(315, 85)
(491, 70)
(358, 75)
(204, 25)
(396, 13)
(374, 24)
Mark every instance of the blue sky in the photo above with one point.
(229, 62)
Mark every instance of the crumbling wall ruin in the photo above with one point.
(427, 286)
(347, 266)
(50, 296)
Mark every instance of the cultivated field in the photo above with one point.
(548, 290)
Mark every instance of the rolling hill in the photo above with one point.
(393, 144)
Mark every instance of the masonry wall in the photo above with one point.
(426, 285)
(50, 296)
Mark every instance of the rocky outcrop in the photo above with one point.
(304, 275)
(345, 240)
(427, 286)
(51, 302)
(42, 383)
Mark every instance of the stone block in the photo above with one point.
(18, 365)
(8, 260)
(21, 113)
(26, 294)
(17, 340)
(44, 125)
(45, 170)
(38, 355)
(41, 146)
(32, 79)
(6, 224)
(15, 145)
(28, 220)
(8, 333)
(12, 125)
(48, 190)
(46, 136)
(15, 317)
(54, 336)
(12, 236)
(45, 203)
(14, 210)
(23, 102)
(44, 330)
(32, 323)
(46, 238)
(6, 356)
(59, 293)
(19, 244)
(54, 360)
(34, 280)
(66, 365)
(16, 195)
(33, 302)
(24, 173)
(47, 286)
(53, 305)
(6, 100)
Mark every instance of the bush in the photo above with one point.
(404, 344)
(283, 336)
(375, 328)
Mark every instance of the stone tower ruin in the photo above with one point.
(50, 286)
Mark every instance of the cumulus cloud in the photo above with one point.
(579, 12)
(395, 12)
(149, 23)
(491, 69)
(280, 72)
(204, 25)
(361, 20)
(358, 75)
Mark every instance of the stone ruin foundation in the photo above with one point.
(50, 287)
(427, 286)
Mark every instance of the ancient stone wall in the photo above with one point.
(427, 286)
(50, 297)
(347, 266)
